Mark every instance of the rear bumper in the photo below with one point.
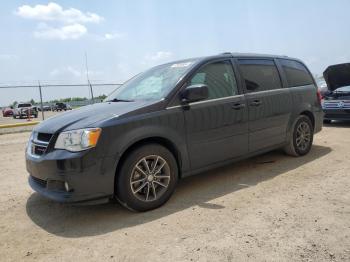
(74, 179)
(318, 121)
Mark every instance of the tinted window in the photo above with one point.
(259, 75)
(219, 78)
(296, 73)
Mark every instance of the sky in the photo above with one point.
(47, 41)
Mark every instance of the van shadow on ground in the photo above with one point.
(79, 221)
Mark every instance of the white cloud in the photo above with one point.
(54, 12)
(8, 57)
(71, 72)
(106, 36)
(110, 36)
(159, 56)
(73, 31)
(67, 71)
(156, 58)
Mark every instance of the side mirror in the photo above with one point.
(194, 93)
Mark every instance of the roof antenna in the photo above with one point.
(87, 77)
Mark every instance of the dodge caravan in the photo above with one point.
(172, 121)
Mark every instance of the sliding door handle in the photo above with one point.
(256, 103)
(238, 106)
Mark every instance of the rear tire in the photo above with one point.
(301, 138)
(147, 178)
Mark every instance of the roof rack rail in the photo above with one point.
(226, 53)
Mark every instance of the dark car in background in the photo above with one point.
(25, 110)
(61, 107)
(45, 108)
(172, 121)
(336, 100)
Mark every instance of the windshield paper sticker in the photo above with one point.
(182, 64)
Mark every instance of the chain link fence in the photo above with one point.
(44, 96)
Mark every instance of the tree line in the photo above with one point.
(62, 100)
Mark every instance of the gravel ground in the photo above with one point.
(268, 208)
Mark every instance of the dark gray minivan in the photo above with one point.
(172, 121)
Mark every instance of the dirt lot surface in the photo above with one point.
(269, 208)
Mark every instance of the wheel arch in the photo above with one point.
(168, 144)
(310, 115)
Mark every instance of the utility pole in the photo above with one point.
(41, 101)
(87, 76)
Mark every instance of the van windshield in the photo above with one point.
(153, 84)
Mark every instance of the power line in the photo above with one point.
(56, 85)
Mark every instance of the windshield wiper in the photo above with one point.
(119, 100)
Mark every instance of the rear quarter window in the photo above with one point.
(296, 73)
(259, 75)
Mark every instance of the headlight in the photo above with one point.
(78, 140)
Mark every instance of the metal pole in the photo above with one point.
(92, 93)
(41, 102)
(87, 76)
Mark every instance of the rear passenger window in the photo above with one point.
(219, 78)
(296, 73)
(259, 75)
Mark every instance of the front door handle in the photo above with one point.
(238, 106)
(256, 103)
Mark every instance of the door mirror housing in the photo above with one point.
(194, 93)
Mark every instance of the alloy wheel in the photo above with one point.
(303, 136)
(150, 178)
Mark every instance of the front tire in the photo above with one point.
(302, 137)
(147, 178)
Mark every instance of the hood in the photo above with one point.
(337, 76)
(87, 116)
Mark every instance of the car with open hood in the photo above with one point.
(172, 121)
(336, 101)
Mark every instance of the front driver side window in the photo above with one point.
(219, 78)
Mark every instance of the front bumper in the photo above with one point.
(71, 177)
(337, 114)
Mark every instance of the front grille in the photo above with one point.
(39, 181)
(44, 137)
(336, 104)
